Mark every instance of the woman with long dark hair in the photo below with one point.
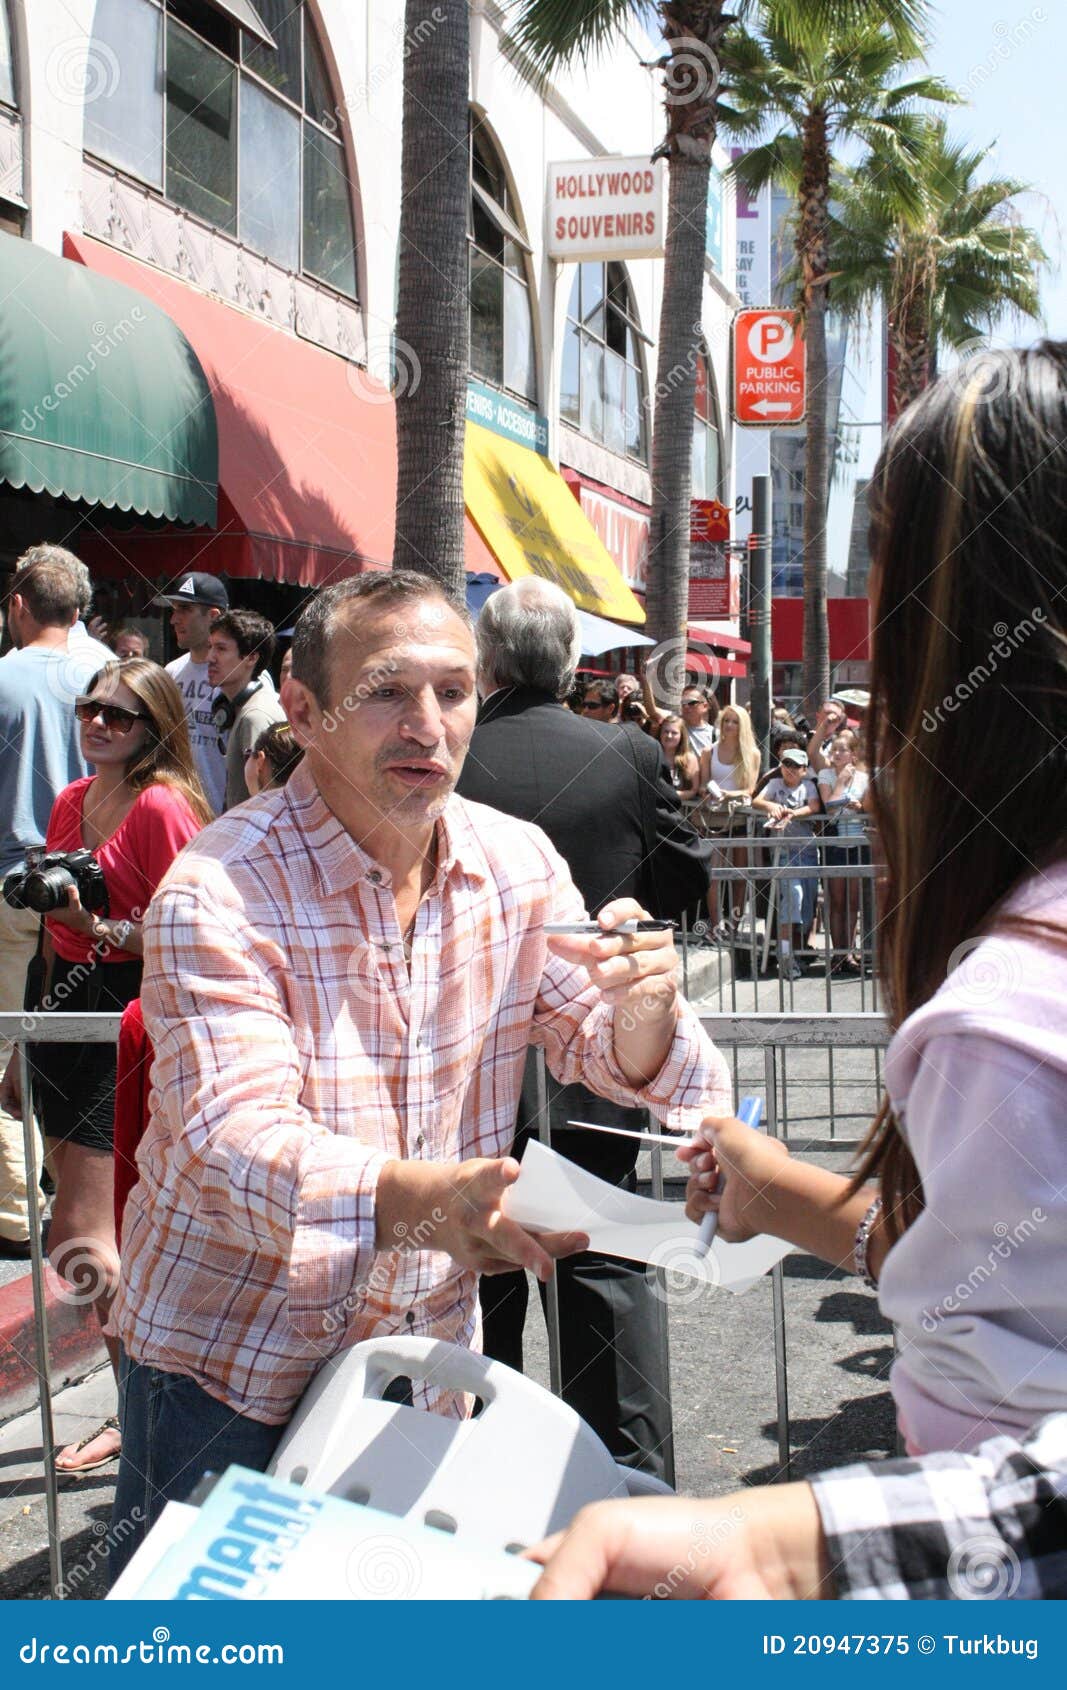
(958, 1210)
(142, 805)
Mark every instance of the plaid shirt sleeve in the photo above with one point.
(992, 1524)
(228, 1078)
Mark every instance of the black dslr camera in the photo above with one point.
(44, 885)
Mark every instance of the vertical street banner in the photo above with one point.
(752, 284)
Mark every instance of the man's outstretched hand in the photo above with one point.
(457, 1207)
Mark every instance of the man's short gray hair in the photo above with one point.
(47, 579)
(49, 554)
(529, 636)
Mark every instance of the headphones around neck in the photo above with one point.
(224, 711)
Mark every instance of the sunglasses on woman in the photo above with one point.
(113, 716)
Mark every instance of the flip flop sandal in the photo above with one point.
(111, 1424)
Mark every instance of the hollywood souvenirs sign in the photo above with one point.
(606, 208)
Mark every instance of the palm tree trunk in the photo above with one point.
(693, 30)
(812, 252)
(432, 321)
(672, 436)
(910, 331)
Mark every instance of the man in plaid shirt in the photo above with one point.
(990, 1525)
(341, 982)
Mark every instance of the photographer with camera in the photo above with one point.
(111, 837)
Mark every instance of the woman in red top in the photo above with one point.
(143, 804)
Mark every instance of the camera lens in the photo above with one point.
(13, 889)
(46, 889)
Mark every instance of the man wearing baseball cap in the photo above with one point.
(791, 801)
(196, 601)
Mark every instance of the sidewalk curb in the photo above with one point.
(75, 1341)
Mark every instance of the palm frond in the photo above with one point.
(555, 33)
(776, 161)
(898, 222)
(808, 23)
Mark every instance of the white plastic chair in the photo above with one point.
(522, 1469)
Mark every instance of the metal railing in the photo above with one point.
(20, 1030)
(736, 973)
(772, 1035)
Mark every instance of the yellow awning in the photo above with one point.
(533, 525)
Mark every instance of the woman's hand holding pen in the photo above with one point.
(733, 1170)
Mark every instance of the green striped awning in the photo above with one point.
(102, 399)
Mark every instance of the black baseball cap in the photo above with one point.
(197, 588)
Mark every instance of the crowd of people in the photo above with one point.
(109, 765)
(813, 789)
(332, 906)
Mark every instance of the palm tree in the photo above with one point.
(945, 271)
(551, 33)
(698, 35)
(430, 356)
(839, 81)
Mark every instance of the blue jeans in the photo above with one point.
(796, 898)
(172, 1434)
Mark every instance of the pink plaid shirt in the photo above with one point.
(296, 1055)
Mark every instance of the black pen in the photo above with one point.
(593, 928)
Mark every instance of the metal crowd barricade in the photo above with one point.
(740, 980)
(774, 1034)
(21, 1030)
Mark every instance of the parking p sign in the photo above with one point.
(769, 386)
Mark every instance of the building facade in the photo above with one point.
(207, 194)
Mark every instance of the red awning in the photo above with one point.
(849, 621)
(307, 448)
(718, 668)
(477, 557)
(704, 635)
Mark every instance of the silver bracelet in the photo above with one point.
(861, 1245)
(121, 934)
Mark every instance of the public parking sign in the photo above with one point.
(769, 385)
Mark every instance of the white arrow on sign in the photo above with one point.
(772, 407)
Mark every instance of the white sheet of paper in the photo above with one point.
(554, 1195)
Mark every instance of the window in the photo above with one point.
(7, 65)
(602, 384)
(707, 438)
(502, 336)
(241, 134)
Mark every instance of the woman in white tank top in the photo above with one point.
(729, 770)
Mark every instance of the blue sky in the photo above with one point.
(1007, 56)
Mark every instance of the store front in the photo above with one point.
(849, 621)
(106, 412)
(307, 450)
